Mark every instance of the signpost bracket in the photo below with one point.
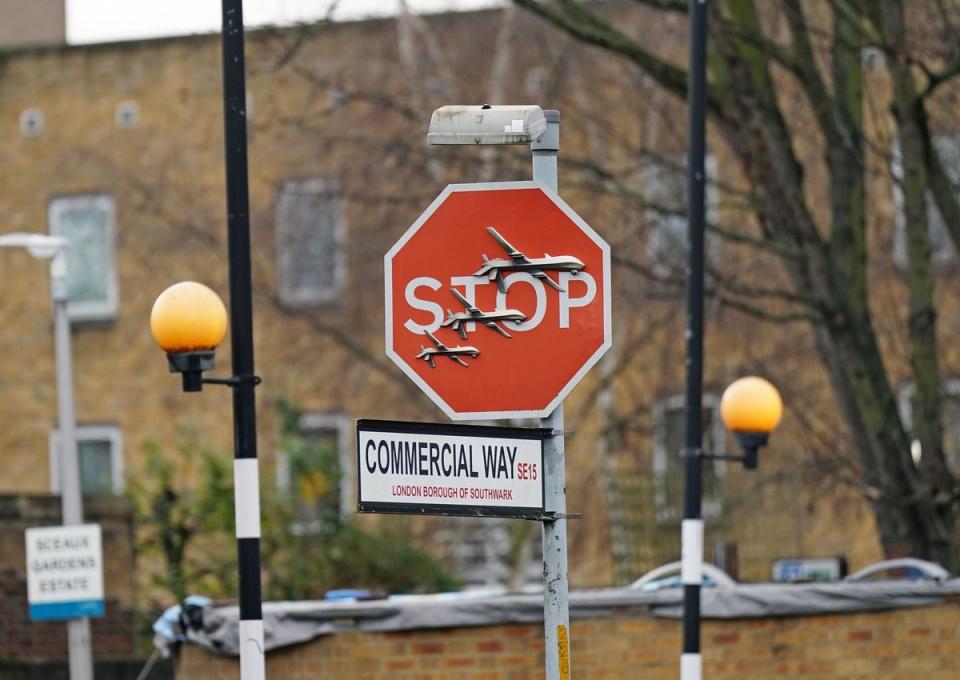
(554, 516)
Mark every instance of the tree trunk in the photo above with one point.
(913, 507)
(936, 479)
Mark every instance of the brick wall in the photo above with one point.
(113, 634)
(24, 640)
(896, 645)
(113, 514)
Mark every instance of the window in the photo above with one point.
(318, 470)
(127, 115)
(669, 417)
(481, 552)
(871, 57)
(88, 223)
(537, 81)
(100, 451)
(31, 123)
(942, 249)
(665, 189)
(951, 421)
(310, 235)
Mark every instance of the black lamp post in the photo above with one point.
(692, 529)
(243, 381)
(749, 440)
(751, 408)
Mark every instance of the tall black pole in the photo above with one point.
(692, 530)
(246, 472)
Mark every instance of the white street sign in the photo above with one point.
(419, 468)
(64, 572)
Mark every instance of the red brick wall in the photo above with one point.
(113, 634)
(897, 645)
(24, 640)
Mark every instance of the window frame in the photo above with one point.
(109, 433)
(948, 388)
(303, 297)
(710, 507)
(944, 259)
(342, 424)
(91, 311)
(660, 221)
(477, 548)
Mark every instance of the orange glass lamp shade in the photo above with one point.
(751, 404)
(188, 321)
(188, 317)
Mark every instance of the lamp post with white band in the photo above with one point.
(188, 321)
(192, 361)
(751, 408)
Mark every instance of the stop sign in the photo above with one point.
(497, 300)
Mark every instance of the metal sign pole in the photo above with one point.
(556, 606)
(71, 499)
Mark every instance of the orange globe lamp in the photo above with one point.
(751, 408)
(189, 321)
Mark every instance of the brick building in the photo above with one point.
(119, 147)
(33, 22)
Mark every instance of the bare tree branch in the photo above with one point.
(937, 78)
(765, 315)
(781, 249)
(859, 20)
(677, 6)
(590, 28)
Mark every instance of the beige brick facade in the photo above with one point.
(350, 104)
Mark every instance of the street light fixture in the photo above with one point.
(751, 408)
(55, 248)
(189, 321)
(487, 124)
(193, 359)
(41, 246)
(530, 124)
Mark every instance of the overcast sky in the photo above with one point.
(107, 20)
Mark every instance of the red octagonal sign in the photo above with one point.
(497, 300)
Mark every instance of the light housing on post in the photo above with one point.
(751, 408)
(486, 124)
(41, 246)
(189, 321)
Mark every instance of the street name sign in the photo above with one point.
(64, 572)
(445, 469)
(497, 300)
